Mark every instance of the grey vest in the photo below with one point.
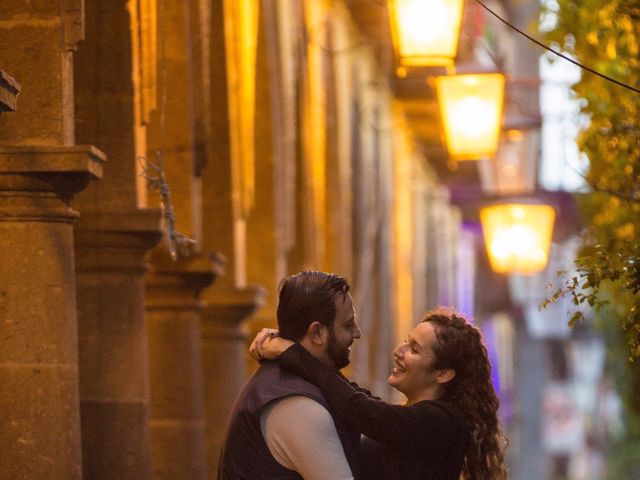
(245, 454)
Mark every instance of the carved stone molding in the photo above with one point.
(116, 241)
(38, 183)
(177, 285)
(227, 307)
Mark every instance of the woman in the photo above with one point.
(447, 430)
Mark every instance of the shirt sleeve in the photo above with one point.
(394, 425)
(302, 436)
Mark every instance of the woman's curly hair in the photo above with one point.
(460, 347)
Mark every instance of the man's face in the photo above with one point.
(344, 331)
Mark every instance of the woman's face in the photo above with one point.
(414, 374)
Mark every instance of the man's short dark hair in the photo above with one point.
(307, 297)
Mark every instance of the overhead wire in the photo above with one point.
(555, 52)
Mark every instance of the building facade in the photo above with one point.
(166, 163)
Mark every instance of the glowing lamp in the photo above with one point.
(517, 236)
(471, 110)
(425, 32)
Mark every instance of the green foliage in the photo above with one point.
(605, 35)
(625, 463)
(601, 274)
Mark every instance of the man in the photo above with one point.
(281, 426)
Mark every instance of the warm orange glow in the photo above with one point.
(471, 109)
(425, 32)
(517, 236)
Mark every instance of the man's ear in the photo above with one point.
(445, 375)
(317, 333)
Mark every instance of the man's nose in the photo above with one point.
(357, 332)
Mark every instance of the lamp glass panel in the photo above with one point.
(517, 236)
(471, 109)
(513, 169)
(425, 32)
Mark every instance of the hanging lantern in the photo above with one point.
(425, 32)
(517, 236)
(471, 109)
(513, 170)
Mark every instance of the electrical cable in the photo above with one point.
(555, 52)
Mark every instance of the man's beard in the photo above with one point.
(338, 353)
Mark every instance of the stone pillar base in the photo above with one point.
(224, 345)
(39, 407)
(175, 355)
(114, 378)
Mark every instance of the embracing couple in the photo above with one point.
(299, 417)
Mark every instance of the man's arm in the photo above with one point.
(302, 436)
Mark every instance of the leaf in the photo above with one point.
(577, 316)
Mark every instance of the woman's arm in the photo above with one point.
(268, 345)
(390, 424)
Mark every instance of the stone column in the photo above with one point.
(263, 246)
(281, 50)
(39, 408)
(115, 74)
(177, 407)
(40, 171)
(224, 352)
(37, 44)
(180, 130)
(231, 301)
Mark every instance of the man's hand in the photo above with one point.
(268, 345)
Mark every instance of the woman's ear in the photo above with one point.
(445, 375)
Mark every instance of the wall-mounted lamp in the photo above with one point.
(471, 110)
(425, 32)
(517, 236)
(513, 170)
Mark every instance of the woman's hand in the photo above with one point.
(268, 345)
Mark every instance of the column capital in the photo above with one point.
(37, 183)
(226, 307)
(177, 285)
(48, 159)
(116, 241)
(9, 90)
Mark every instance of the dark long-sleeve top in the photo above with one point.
(426, 440)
